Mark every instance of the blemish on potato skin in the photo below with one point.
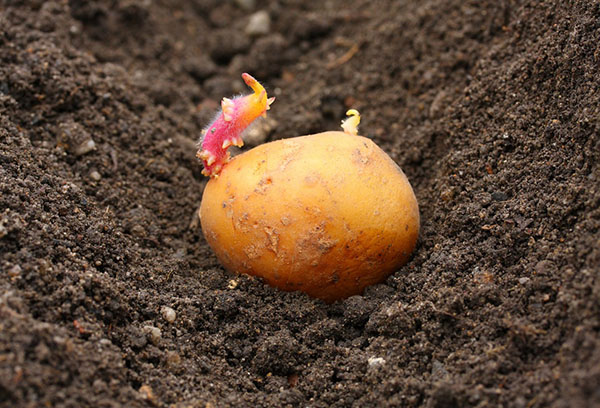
(252, 251)
(360, 158)
(263, 185)
(213, 235)
(272, 239)
(318, 239)
(290, 156)
(311, 179)
(314, 211)
(241, 223)
(227, 205)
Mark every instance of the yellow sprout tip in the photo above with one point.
(350, 124)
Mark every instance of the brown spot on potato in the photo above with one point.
(252, 251)
(311, 179)
(360, 158)
(263, 185)
(272, 239)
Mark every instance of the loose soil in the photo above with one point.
(492, 108)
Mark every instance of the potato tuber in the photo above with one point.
(327, 214)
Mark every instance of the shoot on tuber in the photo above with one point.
(226, 130)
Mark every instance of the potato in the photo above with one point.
(326, 214)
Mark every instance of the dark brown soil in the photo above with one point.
(492, 108)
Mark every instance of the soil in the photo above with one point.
(110, 296)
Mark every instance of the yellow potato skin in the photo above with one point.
(327, 214)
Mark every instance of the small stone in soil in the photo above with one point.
(259, 24)
(375, 362)
(94, 175)
(246, 4)
(153, 332)
(168, 314)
